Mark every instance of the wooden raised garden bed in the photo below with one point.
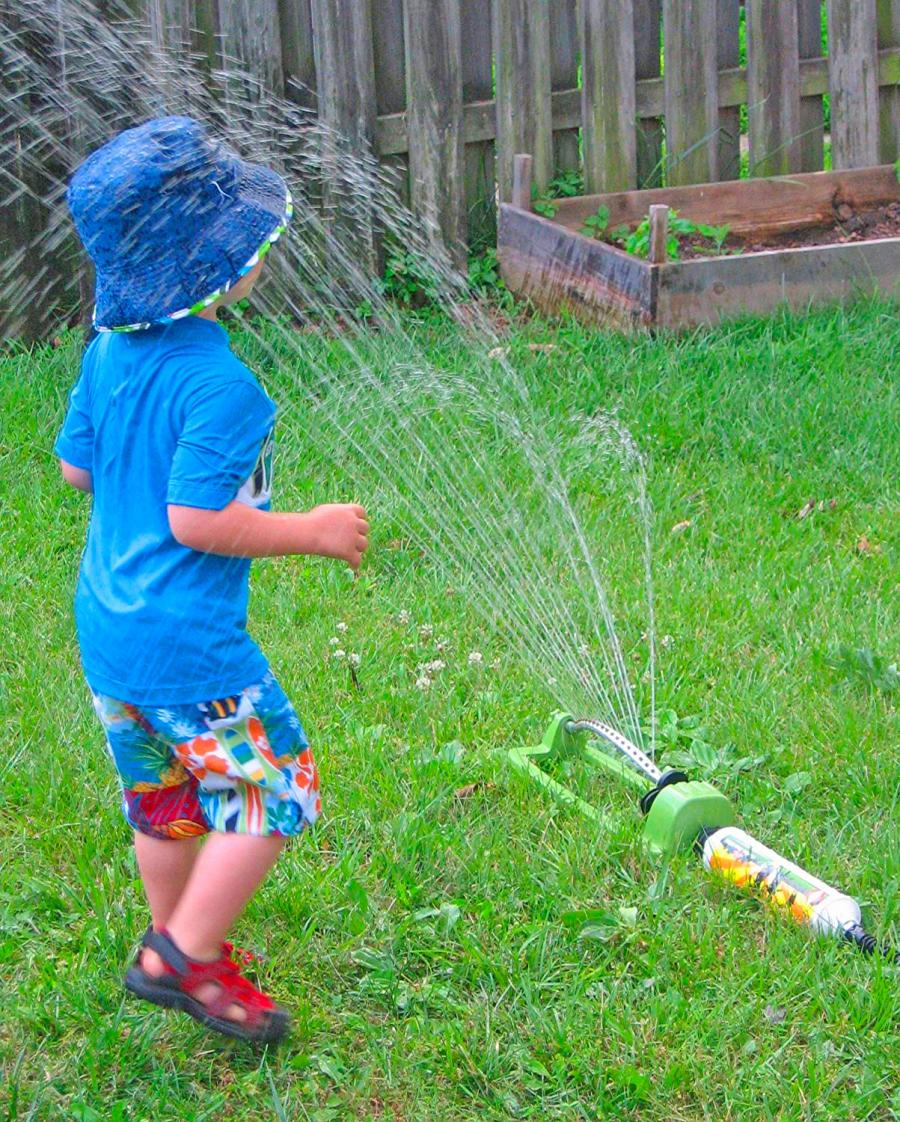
(770, 257)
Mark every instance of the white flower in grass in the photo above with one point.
(436, 666)
(475, 657)
(551, 681)
(667, 641)
(403, 616)
(423, 682)
(339, 654)
(426, 631)
(354, 659)
(340, 627)
(440, 645)
(334, 641)
(496, 664)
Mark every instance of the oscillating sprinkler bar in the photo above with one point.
(683, 814)
(621, 743)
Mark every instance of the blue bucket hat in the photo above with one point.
(172, 219)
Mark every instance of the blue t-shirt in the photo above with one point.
(165, 415)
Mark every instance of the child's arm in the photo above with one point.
(77, 477)
(238, 530)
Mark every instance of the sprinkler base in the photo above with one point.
(677, 809)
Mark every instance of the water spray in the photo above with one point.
(681, 814)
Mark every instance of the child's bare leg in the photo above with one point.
(226, 874)
(165, 867)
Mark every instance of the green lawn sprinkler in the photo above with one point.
(683, 814)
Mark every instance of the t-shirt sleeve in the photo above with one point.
(224, 431)
(75, 443)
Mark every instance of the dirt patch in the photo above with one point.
(849, 226)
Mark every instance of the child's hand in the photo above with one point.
(341, 531)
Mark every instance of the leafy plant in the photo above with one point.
(566, 185)
(484, 273)
(684, 743)
(863, 667)
(638, 241)
(597, 224)
(542, 204)
(409, 279)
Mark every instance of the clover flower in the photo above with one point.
(475, 657)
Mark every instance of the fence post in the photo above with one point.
(773, 85)
(524, 118)
(812, 120)
(853, 82)
(608, 95)
(659, 234)
(434, 98)
(521, 191)
(691, 91)
(889, 100)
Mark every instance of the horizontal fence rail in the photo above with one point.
(607, 94)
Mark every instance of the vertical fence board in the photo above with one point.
(889, 98)
(251, 34)
(389, 59)
(298, 57)
(522, 60)
(773, 84)
(691, 94)
(728, 55)
(478, 85)
(853, 83)
(345, 75)
(564, 76)
(345, 68)
(812, 121)
(608, 95)
(434, 97)
(647, 27)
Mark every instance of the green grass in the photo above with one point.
(425, 942)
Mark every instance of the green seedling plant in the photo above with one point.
(596, 225)
(637, 241)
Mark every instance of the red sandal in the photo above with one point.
(265, 1022)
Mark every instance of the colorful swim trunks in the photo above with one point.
(238, 764)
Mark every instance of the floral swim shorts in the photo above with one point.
(239, 764)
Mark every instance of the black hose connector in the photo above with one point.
(868, 944)
(665, 780)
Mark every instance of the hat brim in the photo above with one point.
(189, 278)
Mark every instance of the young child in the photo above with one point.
(173, 436)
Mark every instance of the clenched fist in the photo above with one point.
(341, 531)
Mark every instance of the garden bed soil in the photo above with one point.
(851, 226)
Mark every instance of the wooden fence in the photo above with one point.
(617, 93)
(631, 92)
